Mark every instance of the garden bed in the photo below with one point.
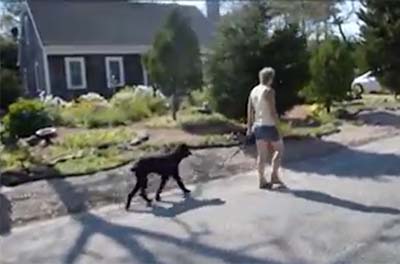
(81, 149)
(77, 153)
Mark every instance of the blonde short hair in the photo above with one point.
(266, 74)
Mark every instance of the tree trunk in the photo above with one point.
(174, 106)
(328, 106)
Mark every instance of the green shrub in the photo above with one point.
(95, 138)
(204, 120)
(137, 105)
(132, 105)
(10, 89)
(91, 114)
(157, 105)
(128, 105)
(25, 117)
(198, 97)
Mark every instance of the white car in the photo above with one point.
(366, 83)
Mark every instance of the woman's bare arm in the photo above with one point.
(250, 116)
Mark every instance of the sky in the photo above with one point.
(351, 28)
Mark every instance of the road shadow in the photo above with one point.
(128, 236)
(320, 197)
(381, 118)
(298, 148)
(386, 235)
(350, 162)
(5, 215)
(188, 204)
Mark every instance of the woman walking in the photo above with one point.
(262, 120)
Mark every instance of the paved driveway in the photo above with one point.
(342, 208)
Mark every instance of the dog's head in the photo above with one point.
(182, 151)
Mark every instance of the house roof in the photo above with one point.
(100, 22)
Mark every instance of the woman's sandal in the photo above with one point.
(275, 180)
(265, 185)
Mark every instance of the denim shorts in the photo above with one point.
(268, 133)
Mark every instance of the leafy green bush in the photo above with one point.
(137, 104)
(91, 111)
(198, 97)
(132, 105)
(90, 114)
(95, 138)
(157, 105)
(208, 124)
(25, 117)
(10, 89)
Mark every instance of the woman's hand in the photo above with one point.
(249, 131)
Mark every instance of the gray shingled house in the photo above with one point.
(72, 47)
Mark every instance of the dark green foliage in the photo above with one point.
(10, 89)
(25, 117)
(287, 52)
(381, 44)
(243, 47)
(174, 63)
(8, 54)
(331, 68)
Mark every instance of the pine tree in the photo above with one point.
(174, 63)
(381, 40)
(245, 43)
(331, 67)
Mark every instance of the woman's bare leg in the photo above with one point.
(262, 154)
(276, 160)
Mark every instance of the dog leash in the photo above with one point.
(249, 140)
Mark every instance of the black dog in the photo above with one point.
(165, 165)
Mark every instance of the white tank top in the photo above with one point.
(263, 115)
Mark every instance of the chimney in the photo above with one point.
(213, 10)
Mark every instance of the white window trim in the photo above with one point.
(25, 79)
(81, 60)
(120, 61)
(145, 74)
(37, 81)
(26, 32)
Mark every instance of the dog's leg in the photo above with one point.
(143, 192)
(131, 194)
(179, 182)
(164, 180)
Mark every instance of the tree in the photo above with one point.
(10, 89)
(244, 45)
(381, 40)
(331, 68)
(174, 63)
(9, 18)
(287, 53)
(8, 54)
(317, 17)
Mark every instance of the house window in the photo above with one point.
(75, 72)
(115, 72)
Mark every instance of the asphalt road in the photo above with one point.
(342, 208)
